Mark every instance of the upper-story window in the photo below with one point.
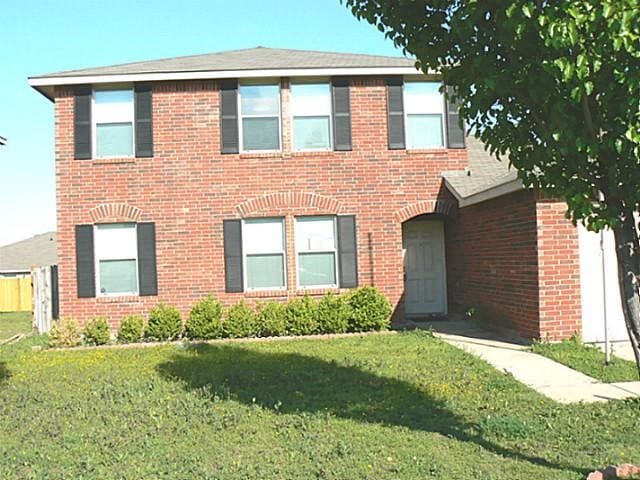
(424, 115)
(311, 110)
(259, 117)
(113, 120)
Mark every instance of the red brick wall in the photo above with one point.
(495, 263)
(517, 257)
(188, 188)
(559, 271)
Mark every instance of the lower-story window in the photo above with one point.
(116, 257)
(264, 252)
(316, 249)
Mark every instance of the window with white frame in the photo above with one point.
(113, 116)
(264, 253)
(424, 107)
(311, 110)
(260, 117)
(116, 256)
(316, 250)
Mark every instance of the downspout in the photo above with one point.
(607, 349)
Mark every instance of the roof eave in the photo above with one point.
(46, 84)
(491, 193)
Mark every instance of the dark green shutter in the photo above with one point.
(147, 272)
(341, 114)
(232, 231)
(85, 262)
(229, 116)
(395, 113)
(144, 120)
(455, 128)
(347, 252)
(82, 122)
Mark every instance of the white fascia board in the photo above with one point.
(208, 75)
(495, 192)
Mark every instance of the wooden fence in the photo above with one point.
(15, 294)
(44, 281)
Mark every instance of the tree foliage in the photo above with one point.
(553, 87)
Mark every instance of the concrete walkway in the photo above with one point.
(550, 378)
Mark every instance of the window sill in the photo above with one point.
(114, 160)
(316, 153)
(423, 151)
(317, 292)
(265, 293)
(119, 299)
(258, 155)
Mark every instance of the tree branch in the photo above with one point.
(586, 110)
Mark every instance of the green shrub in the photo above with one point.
(271, 318)
(65, 333)
(333, 314)
(96, 332)
(131, 329)
(370, 310)
(205, 320)
(301, 316)
(165, 323)
(240, 322)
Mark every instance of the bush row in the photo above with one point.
(361, 310)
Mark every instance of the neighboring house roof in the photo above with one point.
(39, 250)
(487, 177)
(252, 62)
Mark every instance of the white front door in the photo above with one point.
(424, 267)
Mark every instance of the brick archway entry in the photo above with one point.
(423, 257)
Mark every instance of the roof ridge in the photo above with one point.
(219, 53)
(37, 235)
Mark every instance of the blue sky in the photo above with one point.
(40, 37)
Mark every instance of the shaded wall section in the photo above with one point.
(493, 261)
(516, 257)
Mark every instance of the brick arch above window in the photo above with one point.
(279, 201)
(115, 212)
(444, 207)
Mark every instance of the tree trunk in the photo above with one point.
(627, 252)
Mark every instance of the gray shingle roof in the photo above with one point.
(39, 250)
(485, 171)
(259, 58)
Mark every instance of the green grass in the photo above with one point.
(13, 323)
(589, 360)
(404, 406)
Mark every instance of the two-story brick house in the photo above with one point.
(266, 174)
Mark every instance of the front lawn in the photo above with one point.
(13, 323)
(589, 360)
(404, 406)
